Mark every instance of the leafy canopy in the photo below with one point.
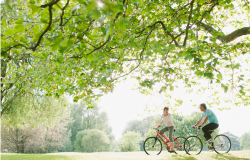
(84, 47)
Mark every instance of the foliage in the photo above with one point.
(235, 143)
(140, 126)
(26, 109)
(85, 119)
(245, 141)
(93, 140)
(130, 142)
(28, 130)
(37, 139)
(81, 48)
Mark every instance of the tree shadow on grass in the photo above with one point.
(183, 157)
(228, 156)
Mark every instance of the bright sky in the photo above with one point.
(124, 105)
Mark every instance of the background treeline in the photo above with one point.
(44, 124)
(65, 127)
(137, 131)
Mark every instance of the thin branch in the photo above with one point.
(50, 3)
(97, 48)
(168, 33)
(41, 36)
(189, 20)
(63, 12)
(139, 61)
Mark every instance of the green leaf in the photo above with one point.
(19, 28)
(129, 10)
(20, 21)
(198, 73)
(4, 24)
(219, 76)
(122, 24)
(76, 98)
(9, 32)
(60, 59)
(209, 75)
(171, 88)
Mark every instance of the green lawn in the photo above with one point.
(233, 155)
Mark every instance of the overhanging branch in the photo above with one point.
(221, 36)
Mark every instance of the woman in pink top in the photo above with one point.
(167, 120)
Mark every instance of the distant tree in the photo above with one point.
(93, 140)
(141, 126)
(235, 143)
(16, 139)
(84, 118)
(245, 141)
(130, 142)
(39, 121)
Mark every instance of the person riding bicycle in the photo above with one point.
(212, 122)
(167, 119)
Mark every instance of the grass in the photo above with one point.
(233, 155)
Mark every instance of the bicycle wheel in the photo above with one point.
(152, 146)
(193, 145)
(222, 144)
(180, 145)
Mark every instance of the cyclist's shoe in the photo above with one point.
(210, 140)
(171, 150)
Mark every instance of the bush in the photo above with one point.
(130, 142)
(92, 140)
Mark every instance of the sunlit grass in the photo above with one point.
(233, 155)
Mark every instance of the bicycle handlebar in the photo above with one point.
(196, 127)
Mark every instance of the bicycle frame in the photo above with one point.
(160, 136)
(200, 136)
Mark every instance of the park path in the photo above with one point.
(233, 155)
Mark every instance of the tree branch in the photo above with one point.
(63, 12)
(189, 19)
(221, 36)
(46, 30)
(50, 3)
(140, 58)
(168, 33)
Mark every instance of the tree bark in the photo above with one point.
(221, 36)
(3, 69)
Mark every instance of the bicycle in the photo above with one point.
(153, 145)
(194, 145)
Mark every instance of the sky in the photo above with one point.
(125, 104)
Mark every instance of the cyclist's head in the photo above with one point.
(166, 110)
(203, 107)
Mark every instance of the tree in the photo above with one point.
(85, 119)
(245, 141)
(130, 142)
(26, 129)
(15, 140)
(235, 143)
(79, 47)
(92, 140)
(140, 126)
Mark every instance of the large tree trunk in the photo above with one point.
(46, 148)
(3, 69)
(17, 142)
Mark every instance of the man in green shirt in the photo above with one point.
(212, 122)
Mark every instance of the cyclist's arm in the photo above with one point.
(205, 120)
(158, 122)
(198, 122)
